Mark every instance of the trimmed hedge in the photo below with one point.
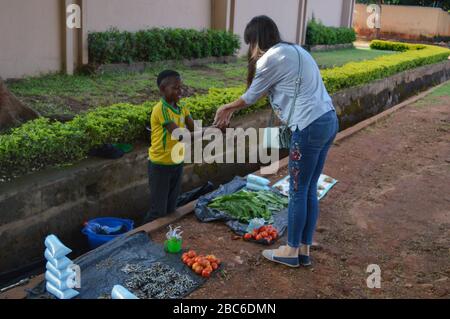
(156, 44)
(357, 73)
(41, 143)
(395, 46)
(317, 33)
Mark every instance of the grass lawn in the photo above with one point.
(435, 96)
(330, 59)
(58, 94)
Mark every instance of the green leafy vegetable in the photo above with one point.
(245, 205)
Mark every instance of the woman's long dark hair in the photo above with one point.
(260, 34)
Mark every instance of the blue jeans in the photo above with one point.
(309, 148)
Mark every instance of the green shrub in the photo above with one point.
(41, 143)
(317, 33)
(356, 73)
(156, 44)
(395, 46)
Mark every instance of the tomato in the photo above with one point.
(184, 255)
(248, 236)
(190, 262)
(206, 273)
(263, 228)
(275, 235)
(264, 234)
(199, 270)
(258, 237)
(191, 254)
(198, 258)
(271, 229)
(214, 266)
(211, 258)
(185, 259)
(209, 268)
(204, 263)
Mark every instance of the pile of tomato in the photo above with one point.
(201, 265)
(267, 233)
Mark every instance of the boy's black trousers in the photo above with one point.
(165, 186)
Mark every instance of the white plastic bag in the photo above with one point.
(258, 180)
(255, 223)
(257, 187)
(271, 138)
(59, 263)
(120, 292)
(174, 233)
(62, 274)
(66, 294)
(56, 247)
(60, 284)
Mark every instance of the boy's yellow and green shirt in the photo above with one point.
(160, 151)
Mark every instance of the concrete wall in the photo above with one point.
(132, 15)
(285, 16)
(34, 39)
(329, 12)
(405, 21)
(292, 16)
(31, 37)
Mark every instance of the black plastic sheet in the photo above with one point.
(101, 267)
(192, 195)
(207, 214)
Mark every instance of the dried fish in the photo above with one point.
(131, 268)
(159, 281)
(106, 263)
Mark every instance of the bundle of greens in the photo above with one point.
(245, 205)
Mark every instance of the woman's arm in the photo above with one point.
(267, 74)
(225, 112)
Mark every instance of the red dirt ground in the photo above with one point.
(391, 207)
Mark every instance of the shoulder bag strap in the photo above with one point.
(297, 88)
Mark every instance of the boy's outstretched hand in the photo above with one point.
(223, 117)
(225, 112)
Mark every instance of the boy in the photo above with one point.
(165, 171)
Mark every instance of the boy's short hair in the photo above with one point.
(166, 74)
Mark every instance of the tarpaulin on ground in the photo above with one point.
(102, 268)
(192, 195)
(207, 214)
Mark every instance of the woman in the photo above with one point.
(273, 67)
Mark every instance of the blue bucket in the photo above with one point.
(95, 240)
